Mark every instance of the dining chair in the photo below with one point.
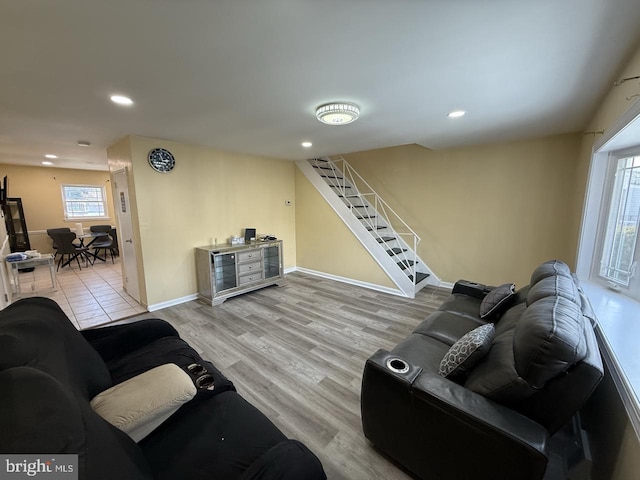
(102, 243)
(50, 232)
(115, 248)
(65, 246)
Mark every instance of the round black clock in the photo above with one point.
(161, 160)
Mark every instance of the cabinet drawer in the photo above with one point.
(248, 278)
(250, 255)
(249, 267)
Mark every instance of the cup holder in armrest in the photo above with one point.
(205, 382)
(202, 378)
(397, 365)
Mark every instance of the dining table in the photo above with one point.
(92, 237)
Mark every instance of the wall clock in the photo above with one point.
(161, 160)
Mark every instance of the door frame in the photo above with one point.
(129, 256)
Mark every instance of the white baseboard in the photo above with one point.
(171, 303)
(351, 281)
(448, 285)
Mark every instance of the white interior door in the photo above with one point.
(125, 232)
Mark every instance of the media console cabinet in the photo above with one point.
(227, 270)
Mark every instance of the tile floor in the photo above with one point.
(90, 297)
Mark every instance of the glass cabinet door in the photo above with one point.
(224, 270)
(271, 262)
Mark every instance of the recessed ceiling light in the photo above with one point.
(456, 114)
(48, 155)
(83, 143)
(47, 163)
(306, 144)
(121, 100)
(338, 113)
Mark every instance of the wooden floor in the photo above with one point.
(297, 353)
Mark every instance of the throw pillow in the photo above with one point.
(467, 351)
(139, 405)
(496, 299)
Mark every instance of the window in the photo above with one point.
(84, 202)
(619, 250)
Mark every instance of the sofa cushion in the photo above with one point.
(548, 269)
(139, 405)
(549, 338)
(527, 352)
(467, 352)
(497, 300)
(219, 438)
(447, 327)
(462, 305)
(554, 285)
(35, 331)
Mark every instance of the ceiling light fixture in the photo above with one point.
(83, 143)
(456, 114)
(338, 113)
(49, 155)
(47, 163)
(121, 100)
(306, 144)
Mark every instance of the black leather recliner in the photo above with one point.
(494, 422)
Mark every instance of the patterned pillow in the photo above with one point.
(467, 351)
(496, 298)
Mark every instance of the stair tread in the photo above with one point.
(360, 217)
(420, 276)
(321, 168)
(385, 239)
(406, 264)
(332, 176)
(395, 250)
(340, 186)
(370, 229)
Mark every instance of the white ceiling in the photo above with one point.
(247, 75)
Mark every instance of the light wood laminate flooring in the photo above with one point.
(297, 353)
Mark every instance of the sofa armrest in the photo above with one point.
(119, 340)
(472, 289)
(439, 429)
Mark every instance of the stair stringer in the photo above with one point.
(432, 278)
(375, 249)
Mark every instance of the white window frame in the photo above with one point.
(69, 216)
(631, 287)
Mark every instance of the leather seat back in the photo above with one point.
(544, 361)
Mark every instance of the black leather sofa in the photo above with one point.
(492, 420)
(51, 374)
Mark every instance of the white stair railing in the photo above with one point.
(382, 221)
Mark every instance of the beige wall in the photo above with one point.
(488, 213)
(325, 245)
(210, 194)
(40, 190)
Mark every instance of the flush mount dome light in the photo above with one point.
(456, 114)
(338, 113)
(121, 100)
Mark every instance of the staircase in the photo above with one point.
(389, 240)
